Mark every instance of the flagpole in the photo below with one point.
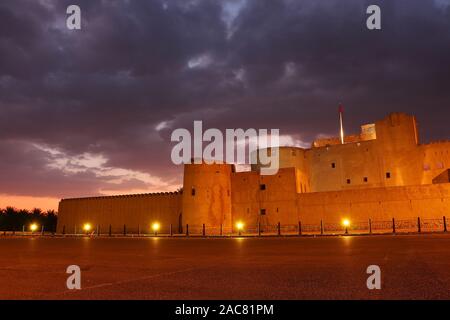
(341, 121)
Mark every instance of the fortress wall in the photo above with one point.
(378, 204)
(285, 205)
(292, 157)
(134, 211)
(278, 199)
(394, 158)
(435, 160)
(395, 151)
(245, 197)
(397, 132)
(332, 166)
(397, 142)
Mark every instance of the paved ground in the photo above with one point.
(413, 267)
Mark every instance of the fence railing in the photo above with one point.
(370, 226)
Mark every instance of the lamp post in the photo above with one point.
(33, 227)
(240, 227)
(155, 227)
(87, 227)
(346, 224)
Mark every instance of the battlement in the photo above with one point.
(368, 132)
(121, 196)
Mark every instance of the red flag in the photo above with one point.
(341, 108)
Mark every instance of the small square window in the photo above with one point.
(388, 175)
(366, 179)
(193, 191)
(262, 187)
(349, 181)
(263, 212)
(333, 165)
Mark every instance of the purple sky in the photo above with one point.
(91, 112)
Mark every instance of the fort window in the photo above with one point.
(193, 191)
(366, 179)
(262, 187)
(263, 212)
(388, 175)
(349, 181)
(333, 165)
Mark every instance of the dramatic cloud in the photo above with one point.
(90, 112)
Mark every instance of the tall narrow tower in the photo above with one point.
(341, 122)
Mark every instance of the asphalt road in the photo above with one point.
(412, 267)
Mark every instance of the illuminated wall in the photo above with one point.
(392, 157)
(380, 204)
(265, 199)
(134, 211)
(279, 201)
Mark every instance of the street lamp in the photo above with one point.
(346, 224)
(240, 226)
(33, 227)
(87, 227)
(155, 227)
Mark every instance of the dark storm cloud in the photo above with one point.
(137, 64)
(25, 170)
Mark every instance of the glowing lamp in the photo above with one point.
(240, 226)
(155, 227)
(346, 224)
(33, 227)
(87, 227)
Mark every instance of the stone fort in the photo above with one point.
(381, 173)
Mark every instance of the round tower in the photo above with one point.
(207, 195)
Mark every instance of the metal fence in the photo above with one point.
(370, 226)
